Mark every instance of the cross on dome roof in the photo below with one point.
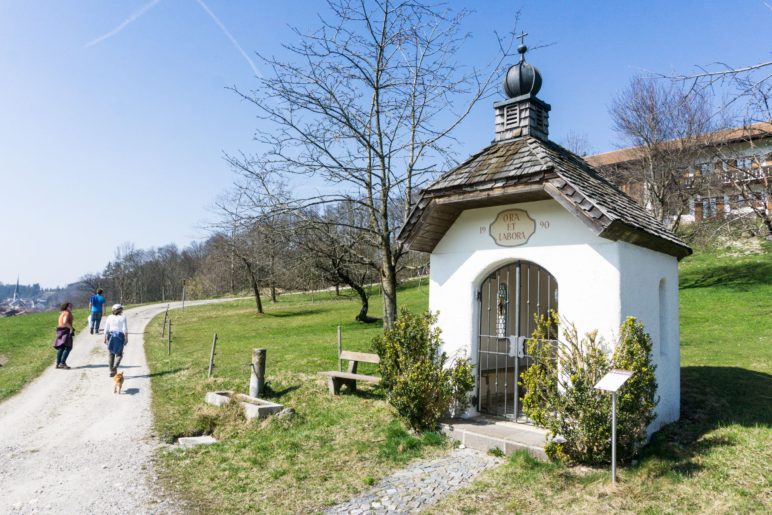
(522, 78)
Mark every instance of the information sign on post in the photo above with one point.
(612, 382)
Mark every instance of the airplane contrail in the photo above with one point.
(134, 16)
(230, 37)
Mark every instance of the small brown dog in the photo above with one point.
(118, 379)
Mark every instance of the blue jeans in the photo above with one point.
(61, 354)
(96, 318)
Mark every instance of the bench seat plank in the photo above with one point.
(355, 377)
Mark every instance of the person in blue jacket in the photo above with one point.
(97, 307)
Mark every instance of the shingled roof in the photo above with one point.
(529, 168)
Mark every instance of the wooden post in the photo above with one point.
(169, 340)
(340, 365)
(183, 295)
(211, 356)
(257, 378)
(163, 327)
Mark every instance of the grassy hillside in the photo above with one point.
(715, 459)
(332, 448)
(26, 344)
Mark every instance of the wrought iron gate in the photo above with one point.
(509, 299)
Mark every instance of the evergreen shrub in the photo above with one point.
(420, 382)
(560, 393)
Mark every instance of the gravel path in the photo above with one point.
(69, 445)
(420, 485)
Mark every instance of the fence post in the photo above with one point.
(257, 378)
(211, 356)
(163, 327)
(169, 340)
(340, 365)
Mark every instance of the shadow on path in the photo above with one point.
(155, 374)
(104, 365)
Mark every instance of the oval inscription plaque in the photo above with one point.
(512, 227)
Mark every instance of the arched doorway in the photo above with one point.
(509, 298)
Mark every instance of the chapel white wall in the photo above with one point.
(600, 282)
(644, 273)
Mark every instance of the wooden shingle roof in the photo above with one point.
(525, 169)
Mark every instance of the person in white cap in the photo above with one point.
(116, 337)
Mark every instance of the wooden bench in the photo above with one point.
(335, 379)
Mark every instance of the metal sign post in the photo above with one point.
(612, 382)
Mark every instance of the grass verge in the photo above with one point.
(331, 449)
(26, 347)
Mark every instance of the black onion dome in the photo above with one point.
(522, 78)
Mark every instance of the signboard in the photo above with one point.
(512, 227)
(614, 380)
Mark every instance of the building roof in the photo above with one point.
(528, 168)
(720, 137)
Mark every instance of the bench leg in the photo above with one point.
(333, 383)
(352, 385)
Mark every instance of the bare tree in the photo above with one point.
(746, 165)
(577, 143)
(667, 130)
(747, 173)
(364, 111)
(336, 250)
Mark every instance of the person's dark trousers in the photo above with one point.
(96, 319)
(61, 354)
(117, 362)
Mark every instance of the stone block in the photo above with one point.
(252, 406)
(192, 441)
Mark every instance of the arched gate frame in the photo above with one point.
(509, 298)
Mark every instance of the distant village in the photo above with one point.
(19, 299)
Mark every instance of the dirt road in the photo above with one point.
(69, 445)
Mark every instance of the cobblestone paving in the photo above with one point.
(420, 485)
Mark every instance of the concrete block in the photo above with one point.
(192, 441)
(252, 406)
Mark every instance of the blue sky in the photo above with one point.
(114, 114)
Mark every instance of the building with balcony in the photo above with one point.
(729, 173)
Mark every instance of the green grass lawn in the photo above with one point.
(26, 342)
(716, 459)
(334, 446)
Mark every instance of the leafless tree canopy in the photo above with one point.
(362, 113)
(667, 129)
(577, 143)
(747, 102)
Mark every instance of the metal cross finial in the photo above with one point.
(522, 49)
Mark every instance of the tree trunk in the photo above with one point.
(363, 297)
(255, 286)
(362, 316)
(273, 278)
(389, 283)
